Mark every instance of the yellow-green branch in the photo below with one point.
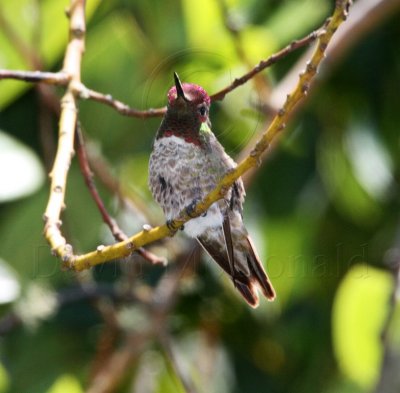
(65, 149)
(119, 250)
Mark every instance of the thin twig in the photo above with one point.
(52, 78)
(144, 237)
(116, 231)
(263, 64)
(119, 106)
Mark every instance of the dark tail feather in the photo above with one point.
(247, 286)
(248, 292)
(259, 273)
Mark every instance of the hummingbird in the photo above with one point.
(186, 163)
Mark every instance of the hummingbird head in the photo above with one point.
(187, 97)
(187, 112)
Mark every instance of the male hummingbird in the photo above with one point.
(186, 163)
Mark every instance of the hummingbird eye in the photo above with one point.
(202, 110)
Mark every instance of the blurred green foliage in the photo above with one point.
(324, 210)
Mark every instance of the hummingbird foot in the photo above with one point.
(190, 209)
(170, 225)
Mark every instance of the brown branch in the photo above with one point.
(52, 78)
(119, 106)
(115, 368)
(263, 64)
(116, 231)
(109, 334)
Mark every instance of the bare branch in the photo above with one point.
(116, 231)
(68, 119)
(119, 106)
(52, 78)
(263, 64)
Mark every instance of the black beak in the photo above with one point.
(179, 89)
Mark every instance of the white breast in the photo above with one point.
(197, 226)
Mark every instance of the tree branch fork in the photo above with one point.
(69, 77)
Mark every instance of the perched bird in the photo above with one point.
(186, 163)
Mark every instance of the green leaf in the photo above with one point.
(297, 17)
(359, 310)
(342, 184)
(66, 384)
(9, 285)
(288, 262)
(370, 160)
(259, 42)
(4, 379)
(203, 27)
